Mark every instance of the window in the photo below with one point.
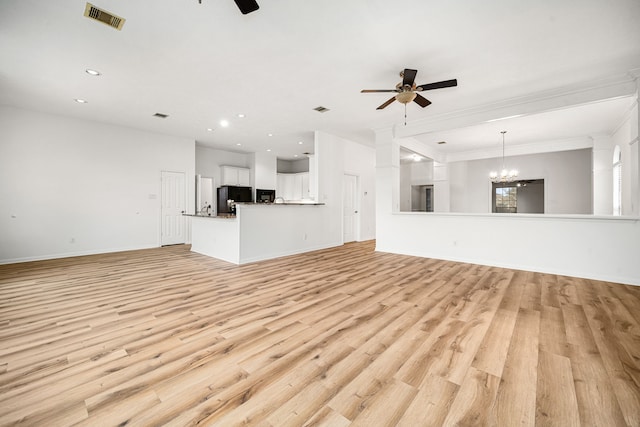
(506, 199)
(617, 181)
(525, 196)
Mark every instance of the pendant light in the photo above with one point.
(504, 175)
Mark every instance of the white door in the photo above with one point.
(173, 206)
(350, 208)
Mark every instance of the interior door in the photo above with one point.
(350, 208)
(173, 206)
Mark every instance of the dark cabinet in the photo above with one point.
(235, 193)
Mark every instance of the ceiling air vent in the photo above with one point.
(321, 109)
(161, 115)
(90, 11)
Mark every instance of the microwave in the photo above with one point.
(265, 196)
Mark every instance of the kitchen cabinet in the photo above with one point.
(293, 186)
(233, 175)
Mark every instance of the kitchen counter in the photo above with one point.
(259, 231)
(222, 216)
(291, 203)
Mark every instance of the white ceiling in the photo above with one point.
(201, 63)
(557, 127)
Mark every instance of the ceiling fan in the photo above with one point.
(406, 89)
(245, 6)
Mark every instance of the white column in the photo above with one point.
(387, 188)
(602, 175)
(635, 155)
(387, 172)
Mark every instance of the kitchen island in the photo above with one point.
(262, 231)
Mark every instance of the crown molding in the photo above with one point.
(537, 147)
(555, 99)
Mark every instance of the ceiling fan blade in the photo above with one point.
(421, 100)
(378, 90)
(408, 77)
(386, 103)
(247, 6)
(438, 85)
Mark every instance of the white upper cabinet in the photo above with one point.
(233, 175)
(293, 186)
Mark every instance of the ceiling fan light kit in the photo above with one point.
(406, 97)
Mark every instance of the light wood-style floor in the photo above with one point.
(339, 337)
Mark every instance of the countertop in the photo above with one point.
(229, 216)
(282, 204)
(223, 216)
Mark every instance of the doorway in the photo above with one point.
(422, 198)
(173, 204)
(524, 196)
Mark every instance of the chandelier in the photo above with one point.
(504, 175)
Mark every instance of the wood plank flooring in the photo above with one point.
(338, 337)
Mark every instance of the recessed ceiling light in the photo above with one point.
(269, 134)
(241, 116)
(224, 123)
(295, 155)
(81, 101)
(238, 144)
(300, 142)
(92, 72)
(268, 149)
(209, 129)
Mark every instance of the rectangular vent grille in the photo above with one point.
(90, 11)
(161, 115)
(321, 109)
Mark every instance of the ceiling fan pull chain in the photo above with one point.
(405, 114)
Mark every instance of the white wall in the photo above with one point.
(264, 171)
(360, 160)
(208, 161)
(624, 137)
(566, 174)
(441, 187)
(603, 248)
(531, 198)
(71, 187)
(329, 155)
(405, 187)
(335, 157)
